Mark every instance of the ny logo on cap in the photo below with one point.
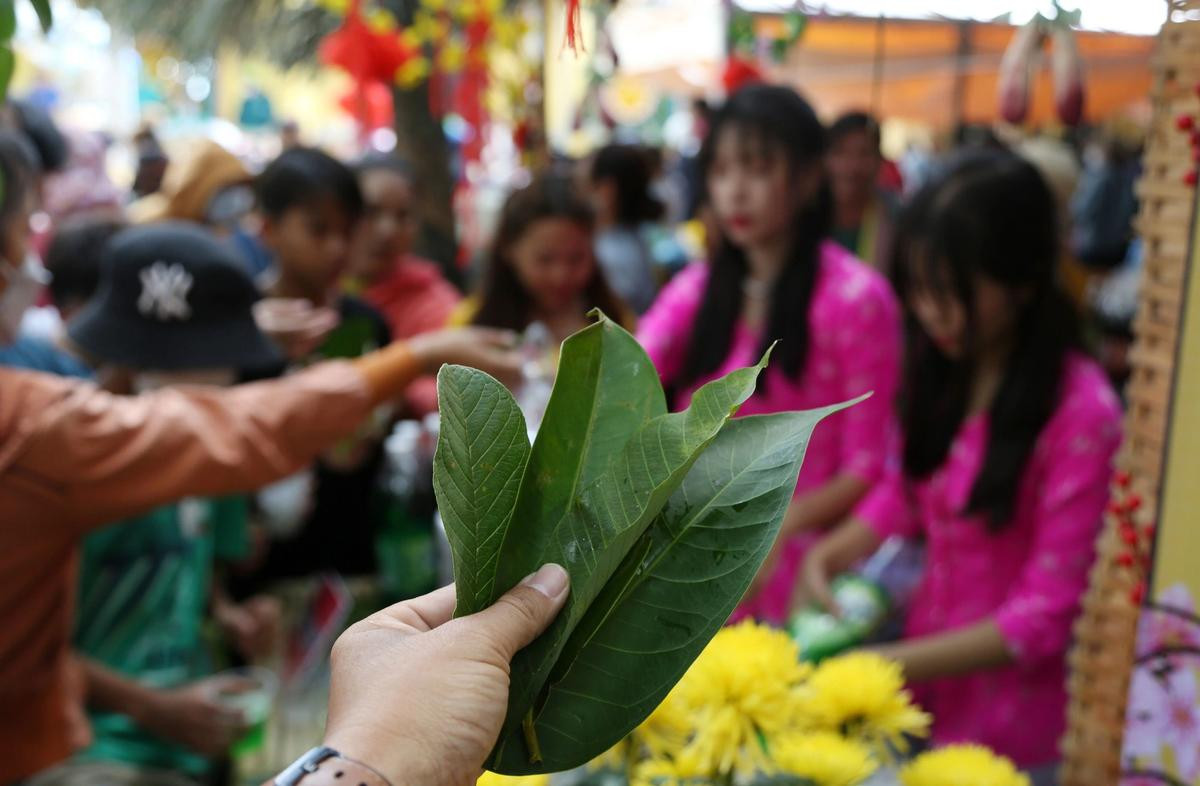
(164, 292)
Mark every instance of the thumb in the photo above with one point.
(521, 614)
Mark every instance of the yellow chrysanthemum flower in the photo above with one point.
(962, 765)
(862, 695)
(823, 758)
(742, 687)
(492, 779)
(678, 771)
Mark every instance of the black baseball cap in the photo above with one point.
(173, 297)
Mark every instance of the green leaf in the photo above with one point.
(596, 531)
(8, 20)
(481, 456)
(673, 591)
(7, 65)
(605, 390)
(45, 16)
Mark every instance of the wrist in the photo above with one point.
(401, 762)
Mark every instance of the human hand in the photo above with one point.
(294, 324)
(816, 574)
(420, 697)
(192, 717)
(253, 626)
(493, 351)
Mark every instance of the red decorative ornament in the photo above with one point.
(738, 73)
(1129, 537)
(1185, 122)
(1126, 559)
(1138, 594)
(1122, 478)
(574, 35)
(1196, 138)
(1191, 178)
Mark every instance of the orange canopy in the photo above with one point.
(941, 72)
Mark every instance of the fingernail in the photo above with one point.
(550, 580)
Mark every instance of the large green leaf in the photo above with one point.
(45, 16)
(605, 390)
(676, 587)
(477, 470)
(598, 528)
(7, 64)
(8, 20)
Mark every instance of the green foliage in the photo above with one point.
(661, 519)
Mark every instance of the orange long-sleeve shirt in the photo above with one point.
(73, 458)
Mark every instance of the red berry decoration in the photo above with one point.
(1149, 531)
(1138, 594)
(1126, 559)
(1185, 122)
(1133, 502)
(1191, 178)
(1115, 507)
(1121, 478)
(1196, 138)
(1128, 536)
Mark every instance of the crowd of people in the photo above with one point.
(185, 358)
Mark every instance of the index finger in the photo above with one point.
(421, 614)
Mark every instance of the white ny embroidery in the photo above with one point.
(164, 292)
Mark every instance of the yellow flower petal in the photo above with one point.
(823, 758)
(962, 765)
(492, 779)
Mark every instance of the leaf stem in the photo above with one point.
(531, 739)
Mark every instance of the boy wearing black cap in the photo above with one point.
(174, 307)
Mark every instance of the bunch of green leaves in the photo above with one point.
(661, 519)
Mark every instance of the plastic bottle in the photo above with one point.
(866, 598)
(404, 540)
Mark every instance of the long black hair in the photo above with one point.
(990, 215)
(504, 302)
(775, 118)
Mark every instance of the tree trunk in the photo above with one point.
(422, 143)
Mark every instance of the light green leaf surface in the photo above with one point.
(482, 451)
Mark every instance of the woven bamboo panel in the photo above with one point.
(1104, 634)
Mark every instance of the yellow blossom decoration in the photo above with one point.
(380, 20)
(428, 27)
(962, 765)
(492, 779)
(862, 696)
(823, 758)
(452, 57)
(412, 73)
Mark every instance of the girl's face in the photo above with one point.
(754, 190)
(387, 231)
(944, 317)
(554, 263)
(311, 246)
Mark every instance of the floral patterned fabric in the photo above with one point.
(1028, 577)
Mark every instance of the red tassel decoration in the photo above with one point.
(574, 26)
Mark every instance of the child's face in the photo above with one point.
(311, 246)
(755, 193)
(387, 231)
(554, 263)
